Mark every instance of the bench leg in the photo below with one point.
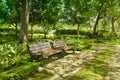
(44, 56)
(73, 51)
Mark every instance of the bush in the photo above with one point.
(11, 54)
(73, 32)
(19, 72)
(80, 45)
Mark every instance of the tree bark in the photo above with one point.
(96, 24)
(112, 22)
(78, 28)
(97, 20)
(45, 34)
(24, 22)
(16, 30)
(32, 31)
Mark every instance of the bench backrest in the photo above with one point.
(44, 46)
(59, 44)
(34, 49)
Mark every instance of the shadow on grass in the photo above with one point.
(43, 75)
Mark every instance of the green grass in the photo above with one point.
(19, 72)
(96, 69)
(43, 75)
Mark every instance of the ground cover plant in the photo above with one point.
(86, 24)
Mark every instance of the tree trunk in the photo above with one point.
(16, 30)
(78, 33)
(97, 20)
(31, 31)
(118, 27)
(45, 34)
(96, 24)
(112, 22)
(24, 22)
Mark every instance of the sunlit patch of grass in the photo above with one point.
(97, 68)
(99, 65)
(86, 75)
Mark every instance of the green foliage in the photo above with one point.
(107, 35)
(46, 13)
(19, 72)
(76, 11)
(23, 59)
(72, 32)
(83, 42)
(81, 45)
(43, 75)
(3, 9)
(11, 54)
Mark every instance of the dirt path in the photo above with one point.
(114, 66)
(70, 64)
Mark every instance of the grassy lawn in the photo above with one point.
(96, 69)
(43, 75)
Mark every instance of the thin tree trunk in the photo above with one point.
(45, 34)
(16, 30)
(113, 27)
(24, 22)
(97, 21)
(32, 31)
(96, 24)
(78, 28)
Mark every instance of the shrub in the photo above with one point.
(19, 72)
(10, 54)
(73, 32)
(83, 44)
(80, 44)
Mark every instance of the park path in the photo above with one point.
(114, 66)
(70, 64)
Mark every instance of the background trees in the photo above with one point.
(47, 13)
(14, 16)
(114, 13)
(76, 12)
(4, 10)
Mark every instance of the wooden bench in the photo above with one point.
(47, 50)
(42, 49)
(61, 45)
(34, 51)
